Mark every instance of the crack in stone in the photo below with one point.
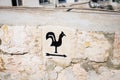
(89, 65)
(17, 53)
(57, 75)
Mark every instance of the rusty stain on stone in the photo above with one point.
(87, 44)
(2, 68)
(5, 29)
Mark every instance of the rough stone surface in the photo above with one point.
(116, 53)
(74, 72)
(104, 73)
(79, 72)
(20, 39)
(67, 47)
(16, 40)
(90, 55)
(94, 46)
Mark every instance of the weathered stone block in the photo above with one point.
(116, 52)
(94, 46)
(74, 48)
(19, 39)
(75, 72)
(104, 73)
(13, 38)
(64, 39)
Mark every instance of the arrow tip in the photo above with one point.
(64, 55)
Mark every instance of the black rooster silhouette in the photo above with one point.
(54, 42)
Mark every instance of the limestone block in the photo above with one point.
(65, 39)
(75, 72)
(21, 39)
(18, 39)
(104, 73)
(13, 38)
(116, 52)
(94, 46)
(108, 74)
(25, 67)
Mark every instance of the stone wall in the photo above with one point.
(26, 53)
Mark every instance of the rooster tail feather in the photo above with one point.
(51, 35)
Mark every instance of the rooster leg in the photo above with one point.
(55, 49)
